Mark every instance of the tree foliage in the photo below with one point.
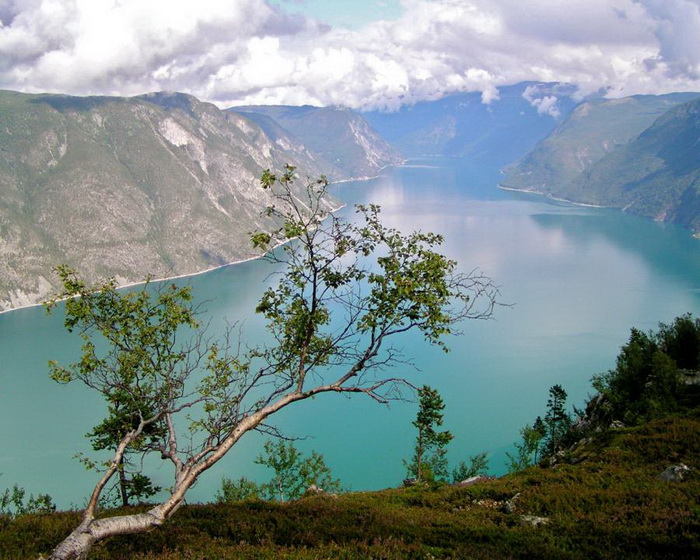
(344, 291)
(238, 490)
(647, 379)
(294, 473)
(477, 465)
(528, 451)
(655, 375)
(123, 417)
(544, 437)
(15, 502)
(557, 420)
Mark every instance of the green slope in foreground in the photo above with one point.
(605, 501)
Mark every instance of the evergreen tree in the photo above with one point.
(125, 413)
(681, 341)
(429, 460)
(647, 379)
(557, 421)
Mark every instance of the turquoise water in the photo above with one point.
(577, 278)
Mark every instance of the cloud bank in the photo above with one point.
(248, 51)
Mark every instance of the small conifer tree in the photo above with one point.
(557, 420)
(429, 460)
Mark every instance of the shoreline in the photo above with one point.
(550, 197)
(370, 177)
(693, 234)
(164, 279)
(232, 263)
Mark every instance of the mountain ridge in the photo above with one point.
(462, 125)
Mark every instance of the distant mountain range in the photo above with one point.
(461, 125)
(160, 184)
(640, 154)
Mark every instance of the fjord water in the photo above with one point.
(577, 279)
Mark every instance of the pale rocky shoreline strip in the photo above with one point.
(550, 197)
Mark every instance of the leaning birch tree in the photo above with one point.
(346, 290)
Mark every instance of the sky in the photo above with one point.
(363, 54)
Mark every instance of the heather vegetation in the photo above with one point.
(595, 492)
(611, 504)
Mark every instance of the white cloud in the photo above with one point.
(249, 51)
(126, 46)
(677, 26)
(545, 105)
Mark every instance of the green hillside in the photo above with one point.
(623, 482)
(592, 130)
(638, 154)
(607, 502)
(656, 174)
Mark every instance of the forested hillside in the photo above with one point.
(639, 154)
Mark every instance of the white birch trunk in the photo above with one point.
(78, 544)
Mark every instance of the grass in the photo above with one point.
(605, 501)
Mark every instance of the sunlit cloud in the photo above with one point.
(247, 51)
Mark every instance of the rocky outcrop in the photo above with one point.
(534, 520)
(675, 473)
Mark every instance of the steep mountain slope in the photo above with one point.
(592, 130)
(655, 175)
(343, 143)
(462, 125)
(160, 184)
(640, 154)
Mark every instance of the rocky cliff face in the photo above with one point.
(160, 185)
(342, 141)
